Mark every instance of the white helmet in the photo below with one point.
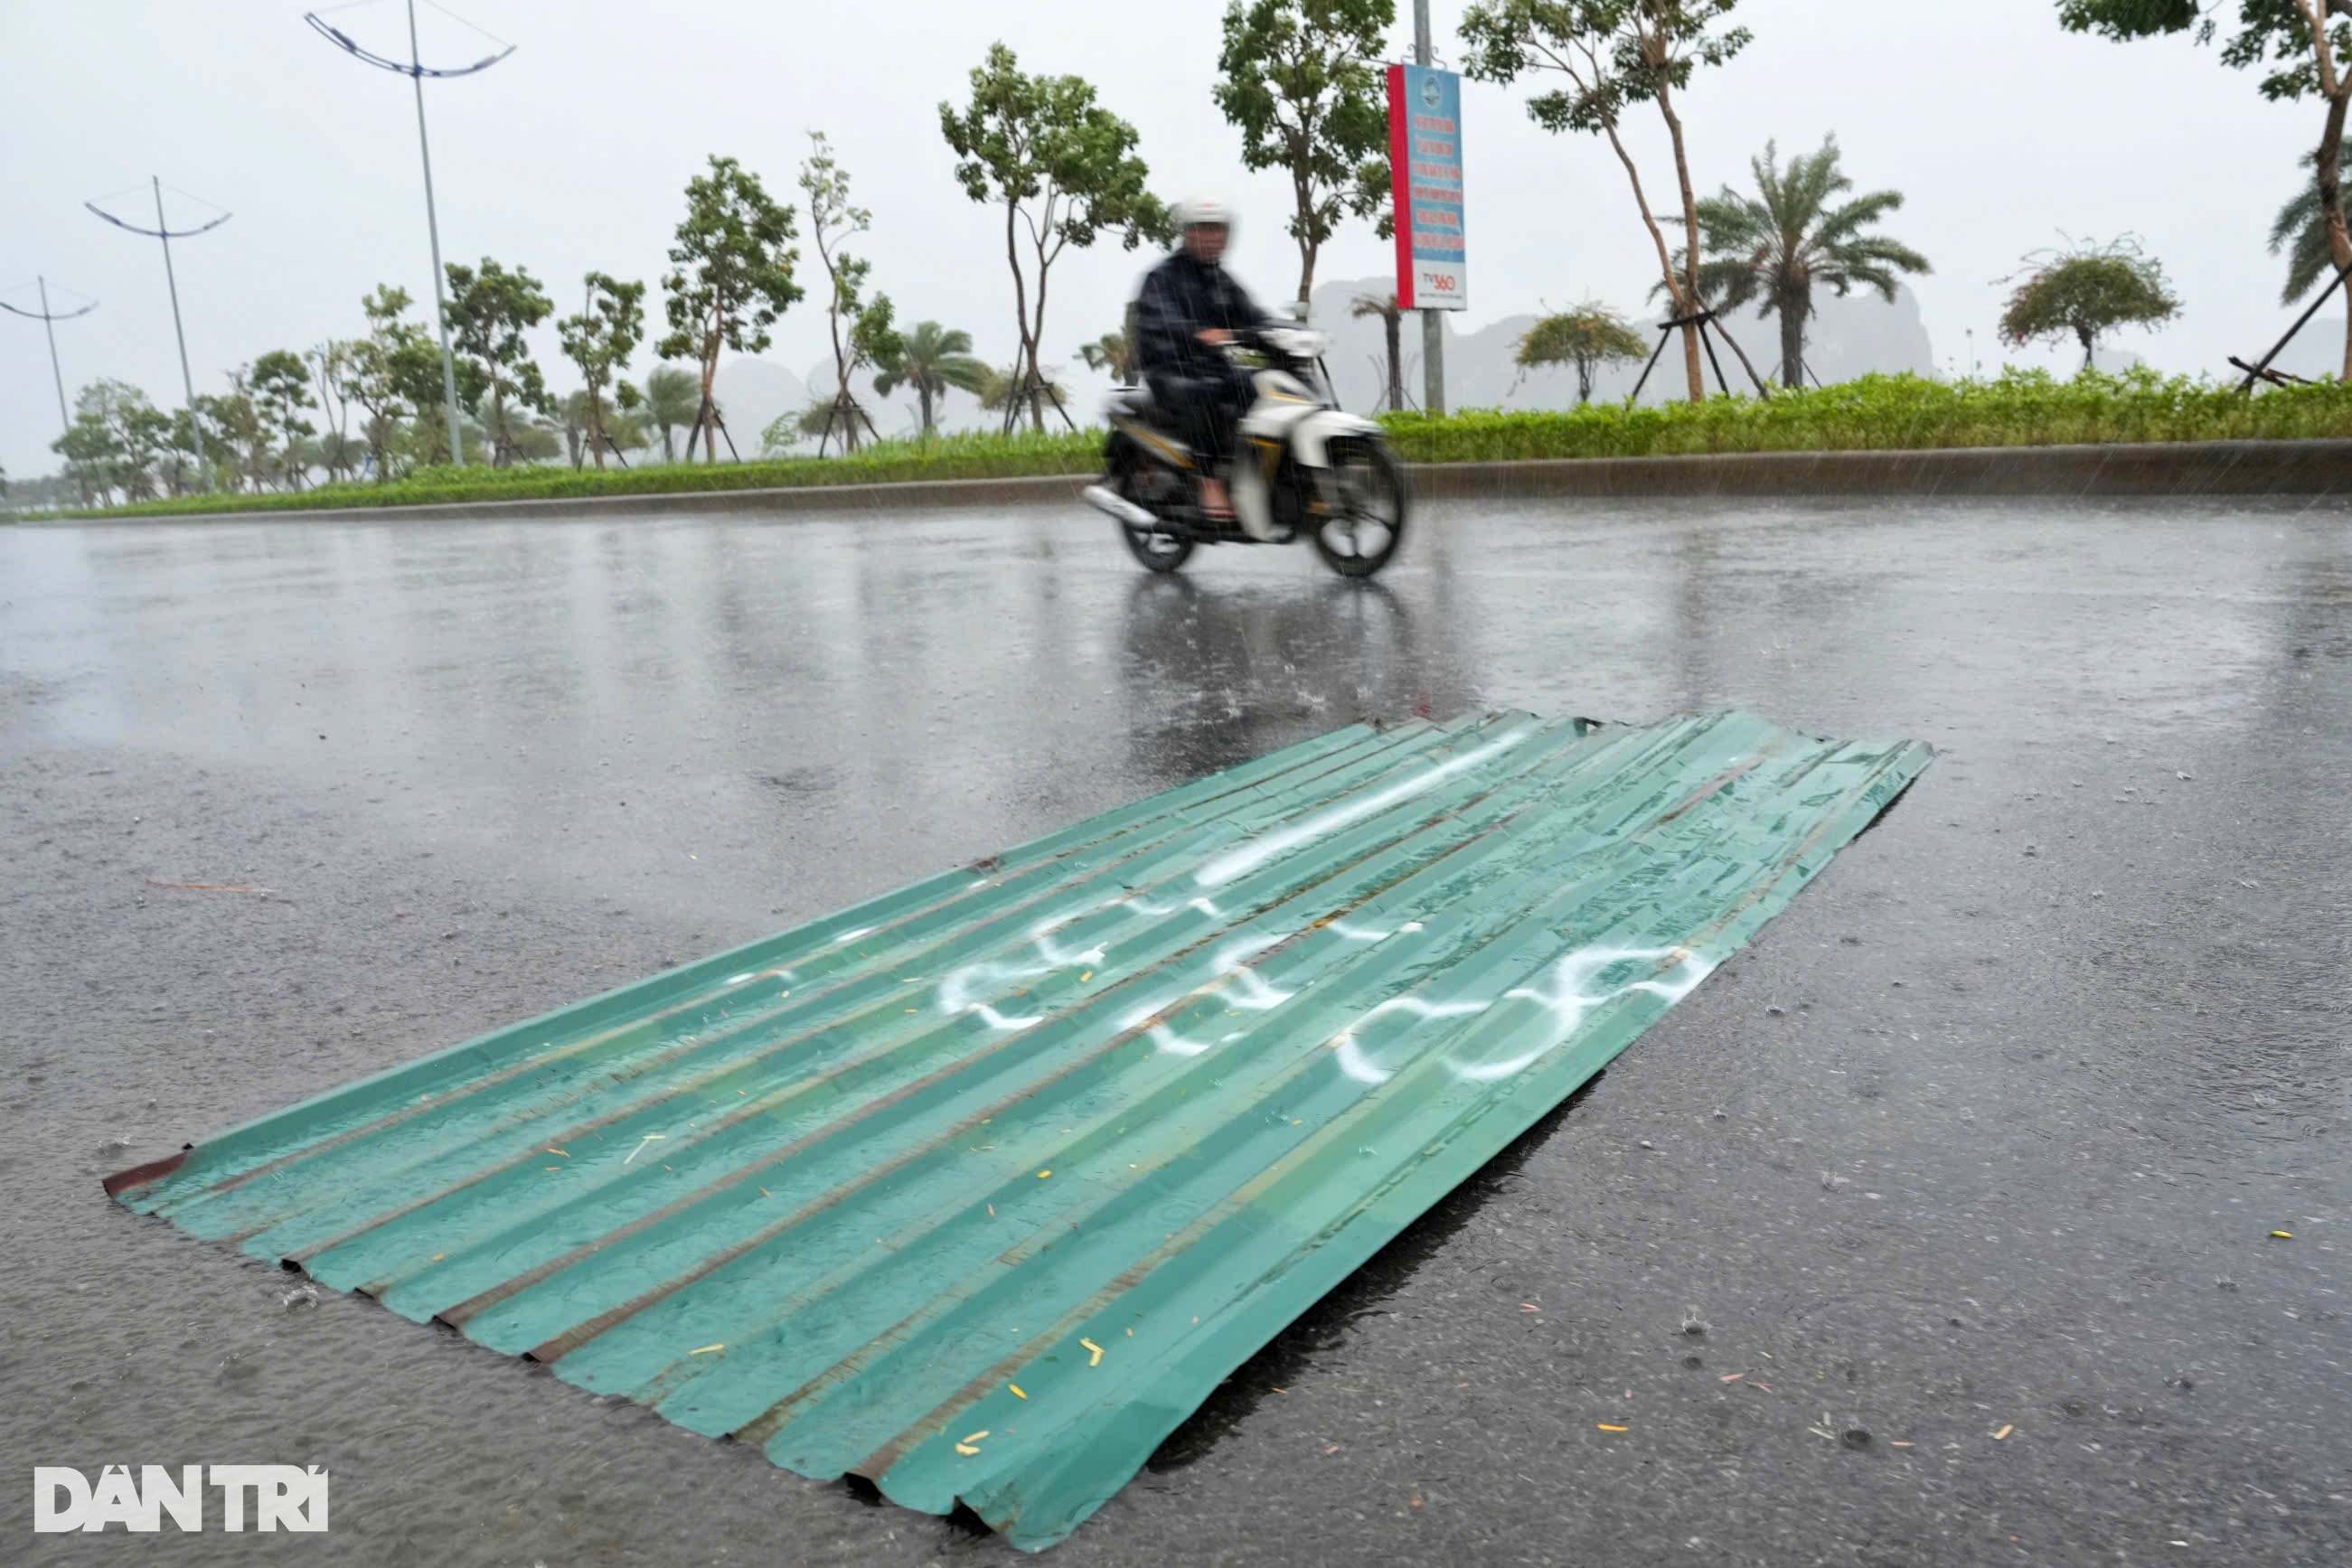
(1205, 212)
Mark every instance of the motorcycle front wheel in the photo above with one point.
(1368, 503)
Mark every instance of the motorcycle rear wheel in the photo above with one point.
(1367, 522)
(1159, 551)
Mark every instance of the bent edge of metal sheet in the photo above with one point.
(978, 1187)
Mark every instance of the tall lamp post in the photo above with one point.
(416, 73)
(164, 231)
(49, 320)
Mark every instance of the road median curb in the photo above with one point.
(2311, 467)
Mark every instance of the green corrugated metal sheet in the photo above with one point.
(978, 1189)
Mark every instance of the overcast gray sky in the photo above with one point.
(2000, 129)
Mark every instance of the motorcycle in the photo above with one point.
(1302, 466)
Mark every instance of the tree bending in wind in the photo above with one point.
(1586, 336)
(930, 359)
(673, 397)
(733, 277)
(1113, 352)
(2086, 291)
(1065, 170)
(1776, 245)
(1302, 82)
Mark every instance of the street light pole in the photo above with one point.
(415, 70)
(1432, 322)
(171, 281)
(432, 228)
(56, 371)
(165, 232)
(49, 320)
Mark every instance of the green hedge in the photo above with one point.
(1875, 413)
(963, 456)
(1891, 413)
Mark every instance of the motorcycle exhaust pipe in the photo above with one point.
(1103, 498)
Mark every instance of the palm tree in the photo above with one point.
(998, 392)
(1110, 352)
(1384, 306)
(673, 397)
(930, 359)
(2302, 231)
(826, 417)
(1776, 245)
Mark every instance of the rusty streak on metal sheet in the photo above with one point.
(1252, 1027)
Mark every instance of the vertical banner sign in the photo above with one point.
(1425, 174)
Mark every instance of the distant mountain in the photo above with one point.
(752, 393)
(2317, 350)
(1846, 337)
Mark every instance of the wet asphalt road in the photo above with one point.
(1987, 1131)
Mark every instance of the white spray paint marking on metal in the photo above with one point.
(1565, 998)
(1251, 856)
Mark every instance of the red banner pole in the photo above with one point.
(1400, 185)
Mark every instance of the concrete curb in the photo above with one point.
(2143, 468)
(2312, 467)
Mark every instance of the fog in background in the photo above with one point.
(2000, 129)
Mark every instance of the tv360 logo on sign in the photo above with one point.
(252, 1497)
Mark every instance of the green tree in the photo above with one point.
(1612, 54)
(394, 371)
(673, 397)
(733, 277)
(930, 359)
(331, 368)
(281, 384)
(1110, 352)
(538, 440)
(1776, 245)
(1004, 386)
(490, 311)
(341, 455)
(1302, 82)
(2086, 291)
(193, 447)
(1066, 171)
(2301, 231)
(93, 455)
(859, 330)
(785, 432)
(600, 341)
(1384, 306)
(237, 417)
(2304, 47)
(114, 442)
(1586, 336)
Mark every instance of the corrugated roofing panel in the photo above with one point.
(977, 1189)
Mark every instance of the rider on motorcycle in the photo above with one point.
(1188, 310)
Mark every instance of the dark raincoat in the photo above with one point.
(1202, 391)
